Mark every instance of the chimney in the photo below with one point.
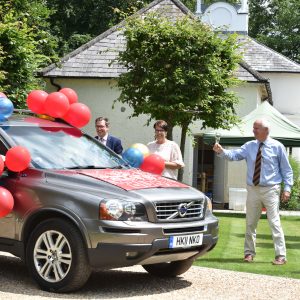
(225, 17)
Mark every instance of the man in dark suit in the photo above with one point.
(102, 128)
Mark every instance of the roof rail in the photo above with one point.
(41, 116)
(23, 111)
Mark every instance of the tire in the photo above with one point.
(56, 256)
(171, 269)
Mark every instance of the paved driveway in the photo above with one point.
(134, 283)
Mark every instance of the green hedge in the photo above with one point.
(294, 202)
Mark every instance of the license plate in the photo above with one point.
(186, 241)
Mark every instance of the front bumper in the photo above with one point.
(148, 243)
(122, 255)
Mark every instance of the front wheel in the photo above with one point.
(170, 269)
(56, 256)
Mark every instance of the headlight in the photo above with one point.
(121, 210)
(208, 205)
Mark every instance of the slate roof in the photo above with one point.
(264, 59)
(245, 73)
(95, 59)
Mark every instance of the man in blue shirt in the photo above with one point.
(267, 167)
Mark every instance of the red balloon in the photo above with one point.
(153, 163)
(78, 115)
(56, 105)
(71, 95)
(17, 159)
(6, 202)
(3, 95)
(36, 100)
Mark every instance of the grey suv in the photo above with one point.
(80, 206)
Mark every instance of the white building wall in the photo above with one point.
(249, 98)
(285, 92)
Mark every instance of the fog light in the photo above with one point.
(131, 254)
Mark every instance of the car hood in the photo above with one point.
(125, 183)
(132, 179)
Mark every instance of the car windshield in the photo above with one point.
(63, 148)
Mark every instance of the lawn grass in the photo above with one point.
(229, 252)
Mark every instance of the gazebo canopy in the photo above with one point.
(281, 128)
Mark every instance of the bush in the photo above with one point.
(294, 202)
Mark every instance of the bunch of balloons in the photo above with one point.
(17, 159)
(62, 104)
(138, 156)
(6, 107)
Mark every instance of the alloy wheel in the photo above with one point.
(52, 256)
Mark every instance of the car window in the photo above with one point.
(3, 148)
(60, 148)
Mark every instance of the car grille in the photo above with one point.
(178, 210)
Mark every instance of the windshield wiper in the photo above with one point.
(94, 167)
(85, 167)
(118, 167)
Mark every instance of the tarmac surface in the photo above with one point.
(134, 283)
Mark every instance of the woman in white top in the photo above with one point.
(167, 149)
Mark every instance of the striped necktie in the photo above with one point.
(256, 175)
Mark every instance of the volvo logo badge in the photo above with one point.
(182, 209)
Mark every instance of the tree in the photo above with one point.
(276, 23)
(179, 71)
(26, 45)
(75, 22)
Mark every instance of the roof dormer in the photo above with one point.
(224, 16)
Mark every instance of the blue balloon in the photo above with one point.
(3, 118)
(133, 156)
(6, 108)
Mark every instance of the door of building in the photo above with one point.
(204, 167)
